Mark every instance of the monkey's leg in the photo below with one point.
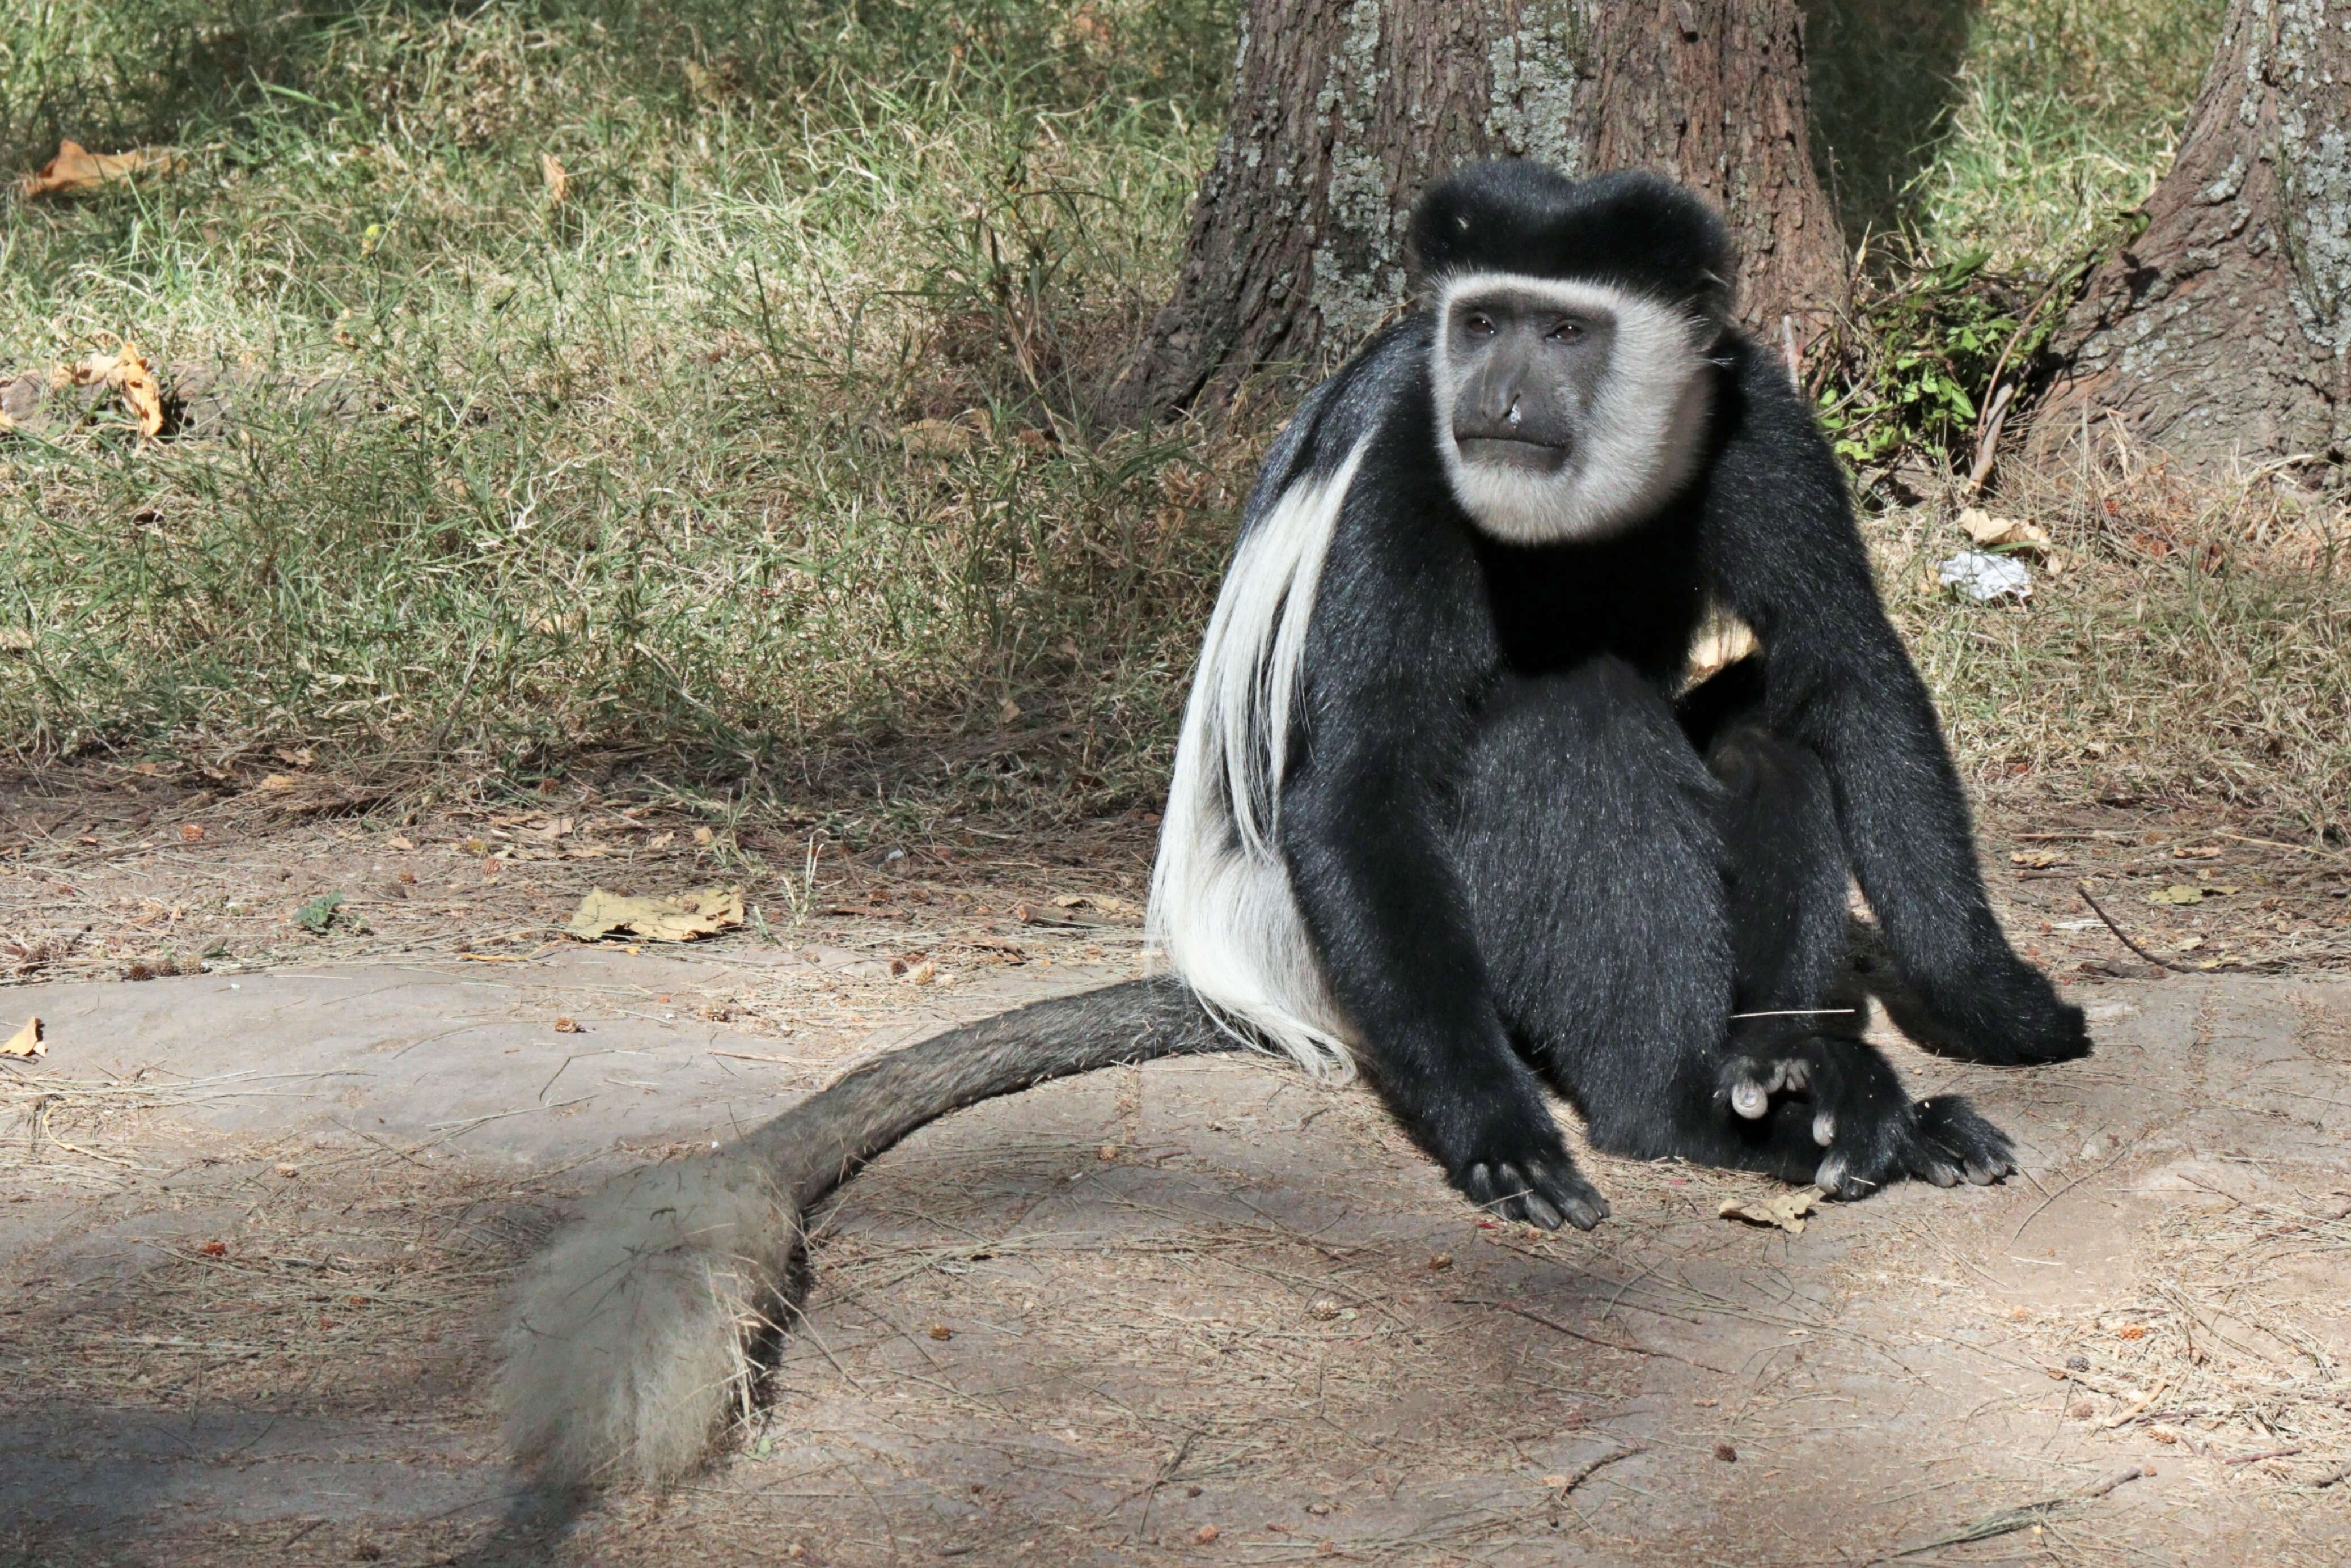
(1586, 837)
(1624, 900)
(1839, 1101)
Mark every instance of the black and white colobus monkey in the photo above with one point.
(1434, 806)
(1436, 810)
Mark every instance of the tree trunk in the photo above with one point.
(2219, 334)
(1344, 111)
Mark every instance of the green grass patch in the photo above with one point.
(629, 470)
(764, 443)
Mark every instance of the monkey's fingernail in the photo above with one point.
(1541, 1211)
(1824, 1129)
(1983, 1175)
(1750, 1100)
(1942, 1174)
(1796, 1074)
(1830, 1177)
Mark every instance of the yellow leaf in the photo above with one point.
(128, 373)
(2178, 893)
(2004, 533)
(75, 167)
(26, 1042)
(552, 175)
(680, 918)
(1787, 1210)
(939, 438)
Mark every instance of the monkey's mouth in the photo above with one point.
(1513, 453)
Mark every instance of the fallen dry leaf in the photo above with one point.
(26, 1042)
(402, 842)
(2005, 533)
(680, 918)
(552, 175)
(936, 438)
(129, 373)
(2037, 859)
(2178, 893)
(277, 783)
(76, 168)
(566, 1026)
(1787, 1210)
(191, 832)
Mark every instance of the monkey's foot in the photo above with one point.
(1541, 1189)
(1836, 1100)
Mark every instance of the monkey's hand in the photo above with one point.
(1836, 1100)
(2002, 1011)
(1520, 1170)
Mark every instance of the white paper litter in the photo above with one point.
(1987, 576)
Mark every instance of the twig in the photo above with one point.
(2281, 844)
(2265, 1454)
(2009, 1520)
(2340, 1472)
(2120, 1155)
(2123, 936)
(1583, 1472)
(2131, 1412)
(1558, 1327)
(1798, 1013)
(1988, 446)
(1788, 351)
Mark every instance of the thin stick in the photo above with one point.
(2009, 1520)
(2123, 936)
(1799, 1013)
(2265, 1454)
(2281, 844)
(1558, 1327)
(1988, 447)
(1583, 1472)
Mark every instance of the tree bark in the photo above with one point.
(2218, 336)
(1344, 111)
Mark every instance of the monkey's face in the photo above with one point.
(1564, 410)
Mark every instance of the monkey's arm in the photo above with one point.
(1783, 552)
(1386, 695)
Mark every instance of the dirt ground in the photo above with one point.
(255, 1218)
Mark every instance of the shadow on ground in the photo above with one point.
(1200, 1308)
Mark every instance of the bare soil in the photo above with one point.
(255, 1221)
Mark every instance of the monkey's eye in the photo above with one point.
(1565, 332)
(1478, 324)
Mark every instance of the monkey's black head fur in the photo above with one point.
(1636, 231)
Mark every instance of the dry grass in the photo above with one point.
(2194, 647)
(2234, 1346)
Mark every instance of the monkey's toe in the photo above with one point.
(1537, 1191)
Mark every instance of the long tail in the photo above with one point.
(631, 1343)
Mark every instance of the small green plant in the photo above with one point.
(320, 912)
(1913, 370)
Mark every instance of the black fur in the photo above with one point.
(1513, 858)
(1632, 230)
